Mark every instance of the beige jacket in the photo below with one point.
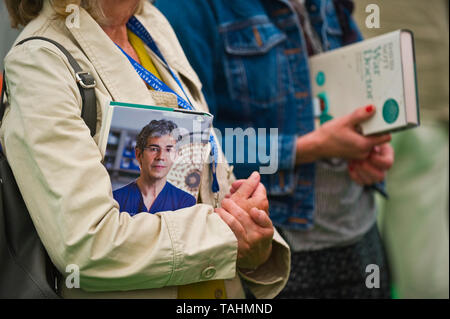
(68, 191)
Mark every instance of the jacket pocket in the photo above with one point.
(254, 63)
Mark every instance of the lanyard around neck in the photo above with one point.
(152, 80)
(137, 28)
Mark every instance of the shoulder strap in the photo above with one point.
(2, 97)
(85, 81)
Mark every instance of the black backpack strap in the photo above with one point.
(85, 81)
(2, 97)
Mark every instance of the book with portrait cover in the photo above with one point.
(154, 155)
(378, 71)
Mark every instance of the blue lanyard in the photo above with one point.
(137, 28)
(154, 82)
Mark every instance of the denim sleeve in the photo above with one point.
(195, 26)
(287, 151)
(275, 154)
(279, 173)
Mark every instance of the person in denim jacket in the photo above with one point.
(252, 58)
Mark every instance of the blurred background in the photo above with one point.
(7, 34)
(414, 222)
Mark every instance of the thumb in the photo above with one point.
(361, 114)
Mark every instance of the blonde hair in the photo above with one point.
(22, 12)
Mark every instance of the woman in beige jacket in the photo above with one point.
(57, 165)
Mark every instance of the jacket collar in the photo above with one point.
(114, 69)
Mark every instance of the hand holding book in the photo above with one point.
(378, 71)
(340, 137)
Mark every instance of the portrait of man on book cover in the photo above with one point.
(154, 156)
(156, 151)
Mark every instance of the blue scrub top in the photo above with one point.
(170, 198)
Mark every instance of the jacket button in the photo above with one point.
(208, 272)
(218, 293)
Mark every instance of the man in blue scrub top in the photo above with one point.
(156, 148)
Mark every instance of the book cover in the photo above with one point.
(378, 71)
(154, 155)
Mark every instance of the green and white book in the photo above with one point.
(378, 71)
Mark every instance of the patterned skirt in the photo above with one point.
(358, 271)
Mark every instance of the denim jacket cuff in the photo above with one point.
(287, 151)
(282, 182)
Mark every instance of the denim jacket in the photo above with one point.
(252, 59)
